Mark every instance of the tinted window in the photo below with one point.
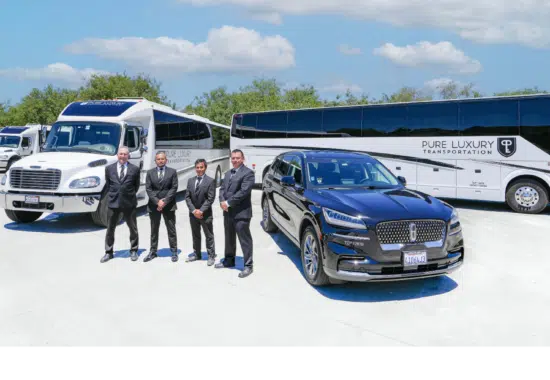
(306, 123)
(343, 122)
(245, 126)
(294, 167)
(489, 118)
(130, 139)
(26, 142)
(384, 121)
(271, 125)
(280, 168)
(535, 122)
(437, 119)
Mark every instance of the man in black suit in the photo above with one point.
(122, 181)
(162, 186)
(200, 195)
(236, 202)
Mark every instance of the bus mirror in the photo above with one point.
(402, 180)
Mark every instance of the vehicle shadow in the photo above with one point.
(370, 292)
(57, 224)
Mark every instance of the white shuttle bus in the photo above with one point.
(68, 175)
(488, 149)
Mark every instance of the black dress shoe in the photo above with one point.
(107, 257)
(245, 272)
(224, 264)
(192, 258)
(150, 257)
(210, 261)
(134, 256)
(174, 257)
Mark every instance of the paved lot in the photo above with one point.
(54, 291)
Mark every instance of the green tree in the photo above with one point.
(524, 91)
(42, 106)
(405, 94)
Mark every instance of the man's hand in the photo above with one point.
(161, 205)
(224, 206)
(198, 214)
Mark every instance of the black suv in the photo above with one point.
(355, 221)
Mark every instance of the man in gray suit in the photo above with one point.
(200, 195)
(122, 181)
(236, 203)
(162, 186)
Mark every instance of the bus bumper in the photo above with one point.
(49, 203)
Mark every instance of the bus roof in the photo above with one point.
(482, 98)
(122, 107)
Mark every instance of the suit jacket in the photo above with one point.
(122, 194)
(202, 198)
(167, 189)
(237, 191)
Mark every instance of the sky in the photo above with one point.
(193, 46)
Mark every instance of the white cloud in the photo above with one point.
(57, 72)
(348, 50)
(488, 21)
(269, 17)
(426, 54)
(438, 83)
(341, 88)
(228, 49)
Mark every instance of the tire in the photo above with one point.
(23, 216)
(100, 216)
(312, 262)
(527, 196)
(267, 222)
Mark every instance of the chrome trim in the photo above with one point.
(428, 244)
(350, 237)
(363, 277)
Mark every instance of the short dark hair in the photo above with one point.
(160, 152)
(238, 151)
(201, 160)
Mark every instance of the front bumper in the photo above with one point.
(78, 203)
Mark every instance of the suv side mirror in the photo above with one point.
(402, 180)
(288, 181)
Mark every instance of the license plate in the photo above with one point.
(415, 258)
(32, 199)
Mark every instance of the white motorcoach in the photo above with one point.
(17, 142)
(68, 175)
(487, 149)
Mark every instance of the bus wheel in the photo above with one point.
(527, 196)
(100, 216)
(23, 216)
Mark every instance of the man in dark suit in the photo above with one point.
(236, 202)
(200, 195)
(162, 186)
(122, 181)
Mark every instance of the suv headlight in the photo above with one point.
(340, 219)
(454, 224)
(83, 183)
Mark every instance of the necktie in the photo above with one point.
(233, 171)
(161, 175)
(121, 172)
(198, 182)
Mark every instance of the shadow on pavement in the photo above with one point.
(57, 224)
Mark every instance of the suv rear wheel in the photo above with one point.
(312, 263)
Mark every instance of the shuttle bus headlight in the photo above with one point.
(83, 183)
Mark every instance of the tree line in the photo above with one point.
(42, 106)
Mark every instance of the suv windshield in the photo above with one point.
(93, 137)
(353, 172)
(9, 141)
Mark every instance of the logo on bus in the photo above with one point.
(506, 146)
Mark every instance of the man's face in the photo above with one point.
(236, 159)
(200, 169)
(160, 159)
(123, 156)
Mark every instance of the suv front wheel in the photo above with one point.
(312, 262)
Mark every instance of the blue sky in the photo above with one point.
(193, 46)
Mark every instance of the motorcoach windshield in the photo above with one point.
(9, 141)
(91, 137)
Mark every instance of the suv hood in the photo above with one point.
(384, 204)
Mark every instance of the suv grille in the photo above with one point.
(35, 179)
(399, 232)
